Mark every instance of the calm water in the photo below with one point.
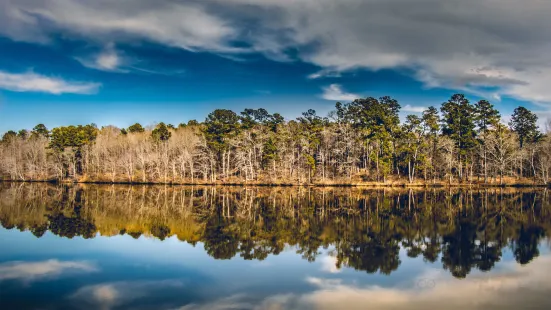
(157, 247)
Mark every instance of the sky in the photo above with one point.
(119, 62)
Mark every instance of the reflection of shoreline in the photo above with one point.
(463, 229)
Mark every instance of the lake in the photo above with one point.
(197, 247)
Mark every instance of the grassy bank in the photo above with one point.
(506, 182)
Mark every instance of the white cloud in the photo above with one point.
(114, 294)
(32, 82)
(227, 303)
(464, 45)
(324, 74)
(29, 271)
(334, 92)
(108, 59)
(413, 109)
(329, 264)
(180, 24)
(511, 287)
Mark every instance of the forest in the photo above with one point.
(363, 142)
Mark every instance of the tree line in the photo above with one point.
(363, 141)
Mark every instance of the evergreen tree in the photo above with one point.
(485, 117)
(23, 134)
(431, 128)
(523, 122)
(40, 130)
(458, 124)
(136, 128)
(161, 133)
(73, 138)
(192, 123)
(9, 136)
(312, 126)
(378, 121)
(220, 126)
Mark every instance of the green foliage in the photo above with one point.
(124, 132)
(136, 128)
(270, 153)
(523, 122)
(274, 121)
(23, 134)
(312, 126)
(379, 122)
(431, 121)
(486, 115)
(161, 133)
(251, 118)
(9, 136)
(458, 117)
(72, 136)
(221, 125)
(40, 130)
(192, 123)
(376, 117)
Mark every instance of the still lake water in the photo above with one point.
(162, 247)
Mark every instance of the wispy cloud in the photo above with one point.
(227, 303)
(324, 74)
(33, 82)
(334, 92)
(413, 109)
(30, 271)
(107, 59)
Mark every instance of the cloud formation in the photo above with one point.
(485, 47)
(515, 287)
(113, 294)
(30, 271)
(329, 264)
(334, 92)
(33, 82)
(179, 24)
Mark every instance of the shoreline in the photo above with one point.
(283, 184)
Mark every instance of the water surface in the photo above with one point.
(162, 247)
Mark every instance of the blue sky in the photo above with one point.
(118, 62)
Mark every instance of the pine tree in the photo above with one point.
(485, 117)
(458, 124)
(161, 133)
(136, 128)
(523, 122)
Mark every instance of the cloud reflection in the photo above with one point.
(515, 287)
(114, 294)
(30, 271)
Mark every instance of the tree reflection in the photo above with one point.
(366, 229)
(525, 246)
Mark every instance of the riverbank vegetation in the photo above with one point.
(361, 142)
